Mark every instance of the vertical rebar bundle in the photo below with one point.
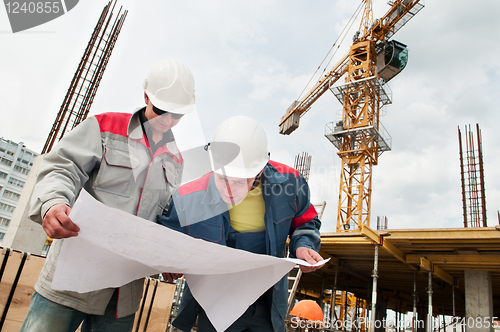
(472, 178)
(83, 87)
(303, 164)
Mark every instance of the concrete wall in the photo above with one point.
(24, 234)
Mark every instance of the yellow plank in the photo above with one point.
(457, 259)
(438, 272)
(445, 234)
(427, 265)
(370, 234)
(387, 245)
(161, 306)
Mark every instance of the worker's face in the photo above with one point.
(233, 190)
(159, 123)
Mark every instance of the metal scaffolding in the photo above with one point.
(83, 87)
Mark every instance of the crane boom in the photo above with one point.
(371, 62)
(298, 108)
(400, 12)
(396, 17)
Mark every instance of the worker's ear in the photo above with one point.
(146, 98)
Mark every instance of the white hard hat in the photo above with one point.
(252, 155)
(170, 86)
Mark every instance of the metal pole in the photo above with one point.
(344, 320)
(356, 327)
(334, 299)
(481, 175)
(442, 308)
(414, 319)
(398, 315)
(374, 289)
(462, 178)
(429, 313)
(322, 295)
(453, 305)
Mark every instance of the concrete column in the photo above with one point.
(24, 234)
(478, 301)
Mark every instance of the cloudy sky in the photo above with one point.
(255, 58)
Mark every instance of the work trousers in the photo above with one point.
(257, 318)
(47, 316)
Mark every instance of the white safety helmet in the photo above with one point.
(170, 86)
(250, 141)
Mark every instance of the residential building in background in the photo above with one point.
(15, 164)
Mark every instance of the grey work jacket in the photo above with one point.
(109, 156)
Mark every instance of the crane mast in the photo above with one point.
(360, 137)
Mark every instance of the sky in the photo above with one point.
(255, 58)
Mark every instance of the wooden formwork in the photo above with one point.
(19, 272)
(18, 275)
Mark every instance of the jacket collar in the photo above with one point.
(134, 129)
(212, 195)
(270, 176)
(136, 133)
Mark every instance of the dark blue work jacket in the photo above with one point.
(198, 210)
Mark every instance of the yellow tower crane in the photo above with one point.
(373, 60)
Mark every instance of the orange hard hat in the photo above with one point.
(307, 309)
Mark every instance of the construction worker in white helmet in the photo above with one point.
(251, 203)
(126, 161)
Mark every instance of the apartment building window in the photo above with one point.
(21, 170)
(7, 207)
(24, 161)
(4, 221)
(1, 237)
(11, 195)
(5, 161)
(16, 182)
(3, 175)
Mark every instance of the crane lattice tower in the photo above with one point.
(372, 61)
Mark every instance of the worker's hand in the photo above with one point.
(310, 256)
(170, 277)
(57, 224)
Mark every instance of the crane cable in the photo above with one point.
(344, 32)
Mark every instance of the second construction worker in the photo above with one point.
(249, 203)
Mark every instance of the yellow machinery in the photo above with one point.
(372, 61)
(351, 314)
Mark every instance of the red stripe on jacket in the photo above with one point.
(116, 123)
(306, 217)
(282, 168)
(196, 185)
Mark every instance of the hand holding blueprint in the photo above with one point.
(114, 248)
